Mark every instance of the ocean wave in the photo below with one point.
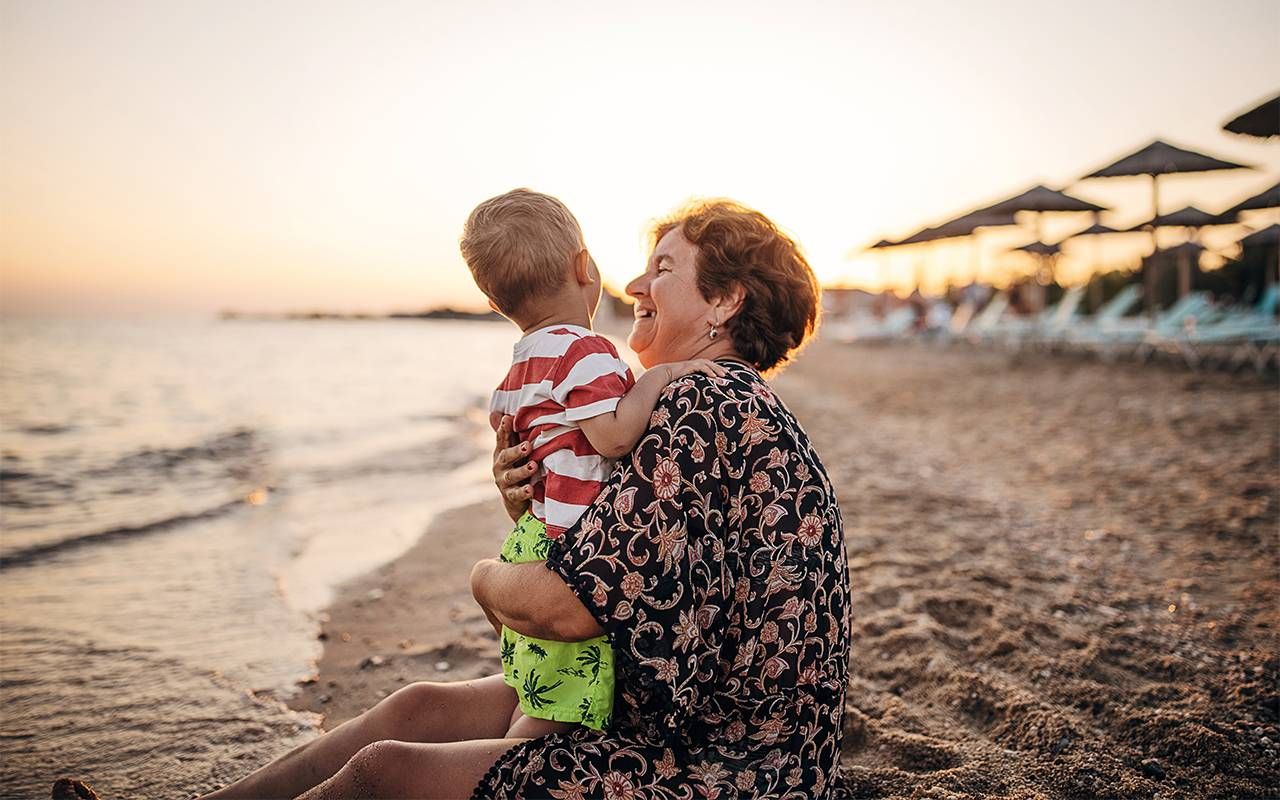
(233, 445)
(33, 553)
(47, 430)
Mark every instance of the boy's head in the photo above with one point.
(523, 246)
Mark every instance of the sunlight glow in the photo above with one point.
(176, 158)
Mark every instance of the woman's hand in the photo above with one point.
(509, 475)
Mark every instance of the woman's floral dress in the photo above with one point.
(714, 560)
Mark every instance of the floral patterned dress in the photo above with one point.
(714, 560)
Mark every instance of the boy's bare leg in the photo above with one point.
(420, 712)
(526, 727)
(406, 770)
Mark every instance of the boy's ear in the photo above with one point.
(582, 268)
(495, 308)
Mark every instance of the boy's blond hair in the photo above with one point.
(518, 246)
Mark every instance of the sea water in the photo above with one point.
(178, 499)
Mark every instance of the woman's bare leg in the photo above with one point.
(411, 771)
(420, 712)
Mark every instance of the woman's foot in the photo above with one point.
(68, 789)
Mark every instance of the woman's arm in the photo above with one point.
(532, 600)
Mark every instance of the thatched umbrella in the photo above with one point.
(963, 225)
(1184, 254)
(1262, 122)
(1267, 198)
(1040, 248)
(1039, 199)
(1269, 235)
(1191, 218)
(1095, 232)
(1045, 253)
(1156, 159)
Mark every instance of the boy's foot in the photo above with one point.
(68, 789)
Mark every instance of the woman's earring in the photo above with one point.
(714, 332)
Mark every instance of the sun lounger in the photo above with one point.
(896, 323)
(1045, 328)
(986, 320)
(1124, 336)
(1110, 317)
(1237, 337)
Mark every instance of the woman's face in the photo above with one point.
(671, 316)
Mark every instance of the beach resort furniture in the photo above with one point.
(1049, 325)
(985, 320)
(895, 324)
(1125, 334)
(1237, 337)
(1108, 318)
(1193, 309)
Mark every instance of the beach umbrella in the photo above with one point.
(1040, 249)
(1094, 231)
(1262, 122)
(1267, 198)
(1039, 199)
(1189, 217)
(1192, 219)
(1184, 255)
(963, 225)
(1156, 159)
(1268, 235)
(1045, 253)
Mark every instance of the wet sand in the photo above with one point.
(1065, 578)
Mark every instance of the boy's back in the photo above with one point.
(559, 376)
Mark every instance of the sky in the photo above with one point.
(185, 158)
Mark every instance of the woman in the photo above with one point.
(714, 560)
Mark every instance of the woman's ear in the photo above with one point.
(729, 304)
(582, 268)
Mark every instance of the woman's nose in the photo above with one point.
(637, 286)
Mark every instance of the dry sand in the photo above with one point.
(1064, 573)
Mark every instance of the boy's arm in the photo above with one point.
(616, 432)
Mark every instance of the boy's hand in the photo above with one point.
(678, 369)
(509, 475)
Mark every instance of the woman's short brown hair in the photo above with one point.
(740, 246)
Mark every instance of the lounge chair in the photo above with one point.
(1135, 336)
(1238, 337)
(1083, 332)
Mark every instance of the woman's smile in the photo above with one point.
(670, 312)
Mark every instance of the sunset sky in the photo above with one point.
(185, 157)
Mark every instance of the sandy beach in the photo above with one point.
(1064, 578)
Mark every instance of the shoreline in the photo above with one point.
(407, 620)
(1063, 577)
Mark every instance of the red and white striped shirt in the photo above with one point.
(560, 375)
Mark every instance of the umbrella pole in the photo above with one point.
(1155, 211)
(1096, 277)
(1149, 282)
